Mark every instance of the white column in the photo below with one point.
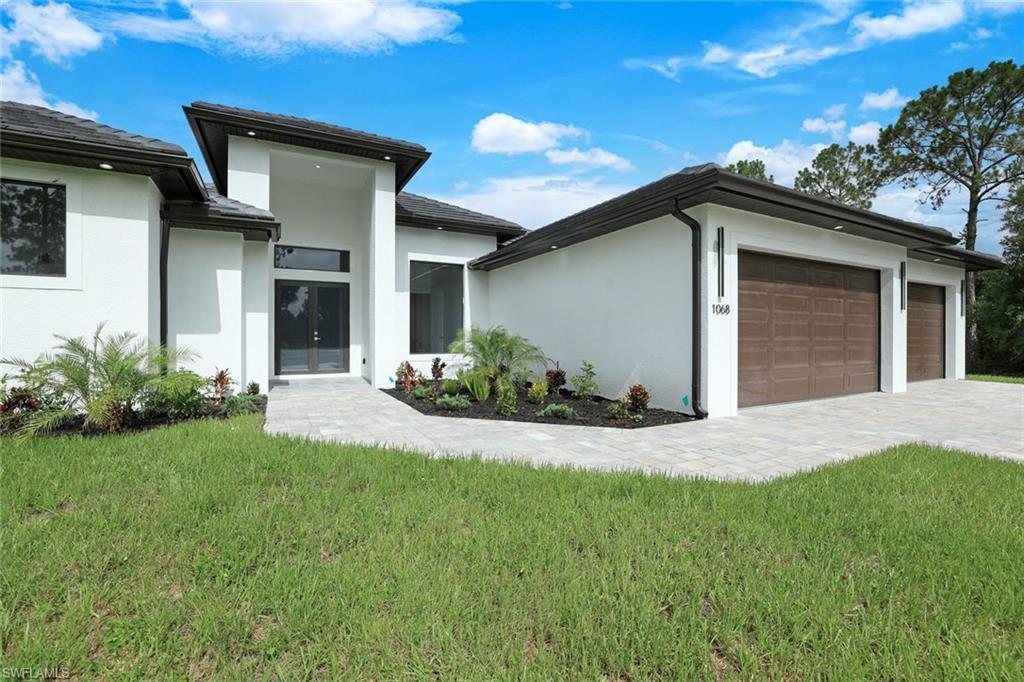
(382, 355)
(893, 332)
(249, 171)
(956, 328)
(256, 307)
(719, 344)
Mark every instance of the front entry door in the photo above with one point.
(311, 327)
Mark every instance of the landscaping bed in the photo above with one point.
(593, 412)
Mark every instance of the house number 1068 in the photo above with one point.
(720, 308)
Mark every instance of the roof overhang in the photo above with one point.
(432, 223)
(212, 127)
(715, 186)
(175, 175)
(957, 257)
(205, 216)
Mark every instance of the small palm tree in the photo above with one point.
(499, 353)
(102, 379)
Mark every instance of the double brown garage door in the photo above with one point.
(806, 329)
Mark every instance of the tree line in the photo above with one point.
(966, 136)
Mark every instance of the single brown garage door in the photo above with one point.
(806, 329)
(926, 332)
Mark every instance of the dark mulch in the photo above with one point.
(588, 412)
(76, 427)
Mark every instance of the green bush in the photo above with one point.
(243, 403)
(557, 411)
(498, 353)
(618, 409)
(452, 402)
(638, 397)
(103, 379)
(422, 392)
(537, 392)
(584, 384)
(450, 387)
(508, 401)
(179, 395)
(478, 383)
(253, 388)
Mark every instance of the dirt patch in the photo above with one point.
(587, 412)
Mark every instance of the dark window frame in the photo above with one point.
(344, 258)
(462, 302)
(64, 265)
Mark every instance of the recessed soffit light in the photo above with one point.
(318, 165)
(251, 133)
(106, 166)
(554, 247)
(936, 260)
(387, 158)
(838, 227)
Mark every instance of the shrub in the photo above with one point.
(237, 405)
(452, 402)
(450, 387)
(103, 379)
(498, 353)
(638, 398)
(478, 383)
(555, 379)
(537, 393)
(253, 388)
(637, 417)
(437, 369)
(618, 410)
(557, 411)
(178, 396)
(16, 403)
(584, 384)
(422, 392)
(408, 377)
(508, 400)
(221, 383)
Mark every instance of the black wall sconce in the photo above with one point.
(721, 262)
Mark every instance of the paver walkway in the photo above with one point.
(759, 444)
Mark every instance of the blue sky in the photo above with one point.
(532, 110)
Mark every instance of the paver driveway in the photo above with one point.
(759, 444)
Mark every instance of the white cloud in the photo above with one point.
(982, 33)
(887, 99)
(669, 68)
(51, 30)
(716, 54)
(865, 133)
(835, 111)
(784, 160)
(914, 19)
(770, 61)
(503, 134)
(534, 201)
(595, 157)
(21, 85)
(275, 28)
(837, 129)
(999, 6)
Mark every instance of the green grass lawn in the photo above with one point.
(210, 549)
(998, 378)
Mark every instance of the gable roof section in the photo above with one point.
(710, 183)
(223, 214)
(39, 134)
(414, 210)
(212, 123)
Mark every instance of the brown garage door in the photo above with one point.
(926, 332)
(806, 329)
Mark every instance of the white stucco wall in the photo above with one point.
(204, 306)
(112, 257)
(621, 301)
(956, 324)
(437, 246)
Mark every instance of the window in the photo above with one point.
(302, 258)
(435, 306)
(33, 234)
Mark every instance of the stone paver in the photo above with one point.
(759, 444)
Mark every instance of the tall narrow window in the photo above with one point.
(33, 228)
(435, 306)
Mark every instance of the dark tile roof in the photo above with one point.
(420, 209)
(228, 207)
(31, 119)
(309, 124)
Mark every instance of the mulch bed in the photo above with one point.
(588, 412)
(75, 427)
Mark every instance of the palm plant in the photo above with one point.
(102, 379)
(499, 353)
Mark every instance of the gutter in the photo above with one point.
(696, 366)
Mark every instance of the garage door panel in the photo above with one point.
(926, 332)
(806, 329)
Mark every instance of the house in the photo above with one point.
(305, 257)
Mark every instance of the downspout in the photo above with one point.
(165, 238)
(695, 307)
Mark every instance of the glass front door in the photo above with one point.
(311, 323)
